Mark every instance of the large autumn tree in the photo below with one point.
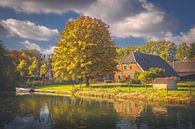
(85, 50)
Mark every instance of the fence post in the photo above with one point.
(190, 90)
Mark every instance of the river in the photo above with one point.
(39, 111)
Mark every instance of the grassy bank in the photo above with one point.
(132, 92)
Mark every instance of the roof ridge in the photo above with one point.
(148, 54)
(133, 53)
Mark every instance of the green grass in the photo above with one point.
(59, 88)
(183, 88)
(123, 91)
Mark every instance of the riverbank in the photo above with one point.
(145, 96)
(124, 92)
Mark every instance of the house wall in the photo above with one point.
(160, 86)
(172, 85)
(123, 73)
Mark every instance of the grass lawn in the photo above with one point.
(183, 88)
(132, 92)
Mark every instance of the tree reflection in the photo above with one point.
(53, 112)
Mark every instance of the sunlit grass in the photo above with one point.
(183, 88)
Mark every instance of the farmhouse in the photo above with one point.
(165, 83)
(185, 70)
(138, 62)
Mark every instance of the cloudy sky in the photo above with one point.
(35, 24)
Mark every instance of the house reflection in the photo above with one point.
(128, 108)
(160, 110)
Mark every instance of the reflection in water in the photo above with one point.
(52, 112)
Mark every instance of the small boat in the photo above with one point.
(23, 89)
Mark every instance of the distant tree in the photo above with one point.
(169, 52)
(152, 47)
(85, 50)
(124, 52)
(22, 68)
(7, 70)
(32, 53)
(183, 52)
(192, 49)
(33, 68)
(164, 49)
(43, 70)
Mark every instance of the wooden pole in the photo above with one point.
(190, 90)
(81, 83)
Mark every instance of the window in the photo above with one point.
(127, 67)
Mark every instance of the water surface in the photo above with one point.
(35, 111)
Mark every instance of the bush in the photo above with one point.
(120, 81)
(107, 81)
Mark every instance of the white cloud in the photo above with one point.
(126, 18)
(46, 6)
(71, 19)
(48, 51)
(28, 30)
(34, 46)
(187, 37)
(28, 45)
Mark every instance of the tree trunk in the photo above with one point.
(81, 81)
(87, 82)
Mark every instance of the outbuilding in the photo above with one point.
(165, 83)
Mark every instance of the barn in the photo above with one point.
(165, 83)
(185, 70)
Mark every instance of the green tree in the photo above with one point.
(183, 52)
(156, 72)
(164, 49)
(149, 75)
(192, 49)
(43, 70)
(22, 68)
(7, 70)
(124, 52)
(136, 75)
(85, 50)
(33, 68)
(145, 77)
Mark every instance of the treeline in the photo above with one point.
(31, 64)
(169, 51)
(17, 67)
